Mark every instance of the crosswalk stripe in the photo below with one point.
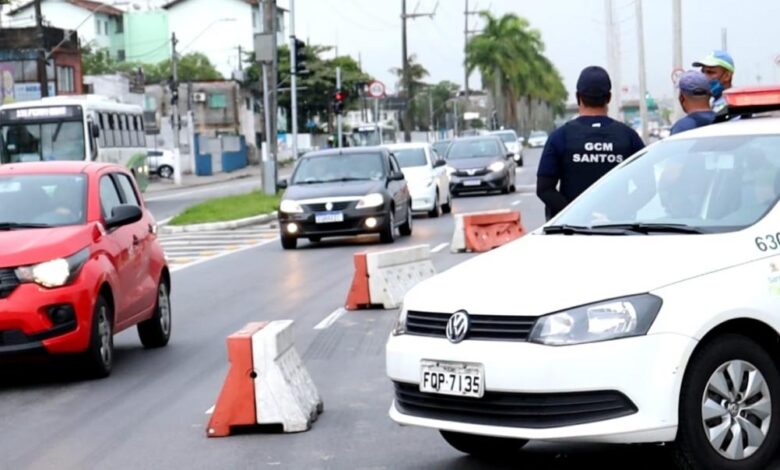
(190, 247)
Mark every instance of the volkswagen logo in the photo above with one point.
(458, 326)
(328, 206)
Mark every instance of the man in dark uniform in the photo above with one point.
(580, 152)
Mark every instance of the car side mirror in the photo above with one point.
(282, 184)
(396, 176)
(439, 163)
(510, 155)
(124, 214)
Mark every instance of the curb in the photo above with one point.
(202, 183)
(229, 225)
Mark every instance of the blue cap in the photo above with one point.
(695, 83)
(594, 82)
(717, 59)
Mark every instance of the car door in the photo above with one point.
(143, 236)
(439, 174)
(398, 191)
(121, 250)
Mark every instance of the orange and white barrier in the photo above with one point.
(383, 278)
(267, 382)
(482, 231)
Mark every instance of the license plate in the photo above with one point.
(329, 217)
(452, 378)
(472, 183)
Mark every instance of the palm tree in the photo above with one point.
(417, 72)
(510, 58)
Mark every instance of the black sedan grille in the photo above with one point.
(472, 172)
(483, 327)
(523, 410)
(8, 282)
(320, 206)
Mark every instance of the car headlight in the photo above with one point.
(289, 206)
(400, 323)
(371, 200)
(54, 273)
(497, 166)
(612, 319)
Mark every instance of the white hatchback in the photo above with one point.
(648, 311)
(426, 176)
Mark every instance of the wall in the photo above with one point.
(115, 86)
(66, 16)
(146, 36)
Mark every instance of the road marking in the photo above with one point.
(440, 247)
(222, 255)
(210, 411)
(162, 222)
(330, 319)
(517, 203)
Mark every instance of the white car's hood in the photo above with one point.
(541, 274)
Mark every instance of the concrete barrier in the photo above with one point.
(383, 278)
(267, 382)
(458, 243)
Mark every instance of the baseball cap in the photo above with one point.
(594, 82)
(716, 59)
(693, 82)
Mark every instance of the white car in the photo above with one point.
(161, 162)
(647, 311)
(426, 177)
(537, 139)
(512, 143)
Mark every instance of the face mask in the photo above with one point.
(716, 88)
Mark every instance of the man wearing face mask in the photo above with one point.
(718, 66)
(695, 101)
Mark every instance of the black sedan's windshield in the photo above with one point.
(335, 168)
(474, 148)
(34, 201)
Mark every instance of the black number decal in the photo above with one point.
(773, 242)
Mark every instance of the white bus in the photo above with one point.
(368, 135)
(86, 127)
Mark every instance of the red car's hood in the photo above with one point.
(31, 246)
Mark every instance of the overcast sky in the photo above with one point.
(574, 32)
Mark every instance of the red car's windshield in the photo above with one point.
(42, 200)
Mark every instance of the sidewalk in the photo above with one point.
(158, 185)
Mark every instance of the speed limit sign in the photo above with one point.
(376, 89)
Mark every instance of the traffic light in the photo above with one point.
(338, 101)
(300, 58)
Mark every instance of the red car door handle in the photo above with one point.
(136, 241)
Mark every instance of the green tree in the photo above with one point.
(192, 67)
(417, 73)
(510, 58)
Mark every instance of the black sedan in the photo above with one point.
(480, 164)
(345, 192)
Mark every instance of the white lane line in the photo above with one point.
(222, 255)
(164, 221)
(517, 203)
(210, 411)
(330, 319)
(440, 247)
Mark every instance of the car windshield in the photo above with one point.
(538, 134)
(410, 157)
(27, 142)
(333, 168)
(32, 201)
(712, 184)
(474, 149)
(507, 137)
(441, 146)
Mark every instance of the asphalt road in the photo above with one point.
(166, 204)
(151, 412)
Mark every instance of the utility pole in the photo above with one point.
(431, 124)
(457, 116)
(293, 81)
(175, 116)
(43, 77)
(407, 80)
(642, 78)
(339, 121)
(613, 60)
(677, 52)
(466, 33)
(240, 58)
(724, 39)
(269, 26)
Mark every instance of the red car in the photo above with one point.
(79, 262)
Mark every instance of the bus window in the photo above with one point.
(117, 128)
(125, 142)
(109, 129)
(132, 131)
(141, 134)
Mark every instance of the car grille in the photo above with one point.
(525, 410)
(472, 172)
(8, 282)
(13, 338)
(485, 327)
(320, 207)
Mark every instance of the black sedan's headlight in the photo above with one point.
(602, 321)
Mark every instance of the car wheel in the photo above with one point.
(165, 171)
(436, 211)
(387, 235)
(315, 239)
(447, 207)
(483, 446)
(507, 187)
(730, 395)
(406, 228)
(156, 331)
(520, 161)
(99, 357)
(289, 243)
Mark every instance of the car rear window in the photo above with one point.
(410, 157)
